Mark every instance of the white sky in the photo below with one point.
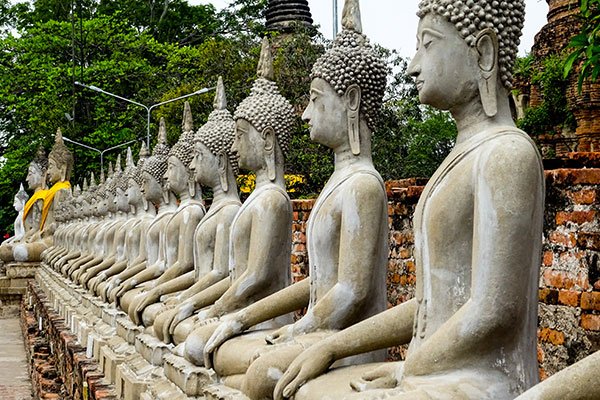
(393, 23)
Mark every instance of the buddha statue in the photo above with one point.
(69, 236)
(92, 238)
(135, 241)
(60, 164)
(213, 166)
(156, 193)
(117, 216)
(179, 254)
(127, 220)
(347, 234)
(478, 228)
(32, 210)
(19, 204)
(260, 239)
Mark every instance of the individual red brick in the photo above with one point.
(588, 176)
(576, 217)
(586, 196)
(548, 258)
(590, 322)
(569, 298)
(551, 336)
(564, 239)
(590, 301)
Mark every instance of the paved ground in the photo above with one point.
(14, 375)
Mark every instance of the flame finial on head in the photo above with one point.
(265, 63)
(220, 102)
(129, 161)
(351, 18)
(118, 166)
(144, 153)
(188, 120)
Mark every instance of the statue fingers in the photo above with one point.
(287, 386)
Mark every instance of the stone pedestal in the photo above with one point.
(152, 349)
(21, 270)
(134, 376)
(188, 377)
(222, 392)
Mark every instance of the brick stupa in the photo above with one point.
(563, 24)
(287, 15)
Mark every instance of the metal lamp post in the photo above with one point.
(147, 108)
(101, 152)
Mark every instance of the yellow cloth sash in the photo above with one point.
(39, 195)
(50, 197)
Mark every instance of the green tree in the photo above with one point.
(586, 46)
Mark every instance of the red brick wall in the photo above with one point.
(60, 368)
(569, 276)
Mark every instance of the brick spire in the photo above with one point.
(285, 15)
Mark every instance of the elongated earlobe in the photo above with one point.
(487, 50)
(353, 96)
(269, 137)
(222, 159)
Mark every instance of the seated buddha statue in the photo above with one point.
(19, 202)
(471, 327)
(260, 239)
(112, 235)
(32, 210)
(178, 254)
(128, 221)
(135, 240)
(156, 193)
(60, 164)
(71, 241)
(213, 166)
(347, 232)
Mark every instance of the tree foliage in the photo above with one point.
(586, 45)
(151, 51)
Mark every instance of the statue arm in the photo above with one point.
(389, 328)
(507, 224)
(282, 302)
(270, 225)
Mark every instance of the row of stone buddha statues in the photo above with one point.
(216, 283)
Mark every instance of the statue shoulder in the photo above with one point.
(510, 155)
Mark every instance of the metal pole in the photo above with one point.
(335, 18)
(116, 147)
(147, 108)
(66, 139)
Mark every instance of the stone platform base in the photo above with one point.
(106, 350)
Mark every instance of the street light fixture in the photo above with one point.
(101, 152)
(335, 19)
(147, 108)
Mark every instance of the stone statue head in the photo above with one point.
(264, 120)
(466, 48)
(112, 186)
(60, 160)
(178, 178)
(213, 143)
(36, 173)
(20, 199)
(134, 190)
(155, 166)
(348, 85)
